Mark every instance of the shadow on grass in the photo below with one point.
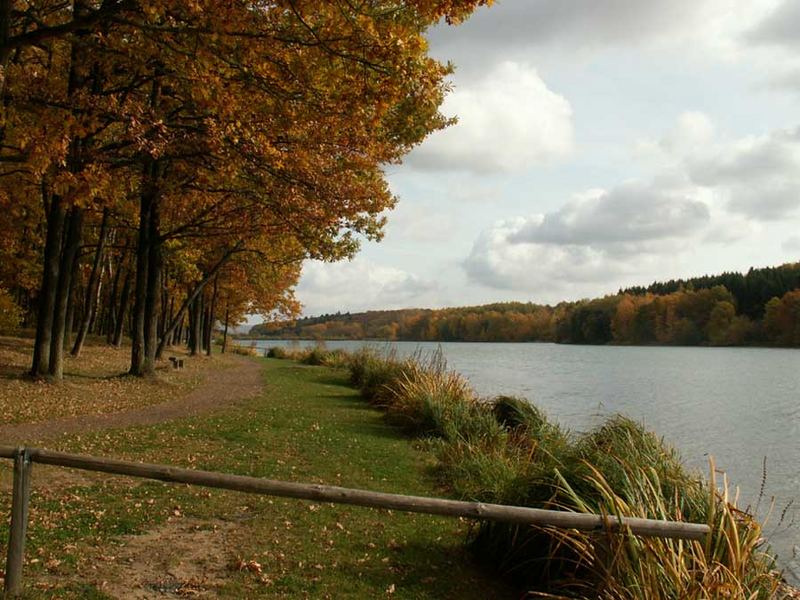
(424, 570)
(328, 379)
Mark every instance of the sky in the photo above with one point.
(599, 144)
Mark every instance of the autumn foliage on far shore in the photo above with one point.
(761, 307)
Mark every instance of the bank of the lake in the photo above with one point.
(739, 405)
(506, 451)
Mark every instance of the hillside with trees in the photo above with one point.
(760, 307)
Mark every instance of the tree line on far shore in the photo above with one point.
(760, 307)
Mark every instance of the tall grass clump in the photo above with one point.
(10, 312)
(245, 350)
(623, 470)
(277, 352)
(313, 356)
(374, 374)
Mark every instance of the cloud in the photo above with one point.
(628, 213)
(500, 263)
(760, 175)
(707, 192)
(579, 28)
(692, 132)
(507, 121)
(585, 22)
(359, 284)
(787, 80)
(599, 236)
(791, 244)
(692, 129)
(756, 176)
(780, 27)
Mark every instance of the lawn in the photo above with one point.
(100, 536)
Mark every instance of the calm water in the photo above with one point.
(738, 405)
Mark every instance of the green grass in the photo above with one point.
(307, 426)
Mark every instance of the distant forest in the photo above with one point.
(760, 307)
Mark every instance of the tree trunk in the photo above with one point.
(47, 291)
(94, 322)
(225, 331)
(124, 299)
(146, 201)
(177, 336)
(193, 295)
(92, 287)
(153, 294)
(142, 347)
(71, 246)
(192, 333)
(211, 316)
(111, 308)
(72, 302)
(197, 327)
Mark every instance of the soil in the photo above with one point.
(224, 387)
(181, 558)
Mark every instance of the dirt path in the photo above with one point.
(222, 388)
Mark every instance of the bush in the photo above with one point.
(313, 356)
(336, 359)
(374, 375)
(277, 352)
(518, 413)
(245, 350)
(10, 313)
(621, 469)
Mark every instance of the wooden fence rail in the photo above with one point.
(24, 457)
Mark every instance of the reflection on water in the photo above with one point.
(739, 405)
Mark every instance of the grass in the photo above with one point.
(308, 426)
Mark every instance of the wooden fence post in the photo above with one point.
(19, 522)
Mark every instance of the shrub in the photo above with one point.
(313, 356)
(336, 359)
(623, 470)
(10, 313)
(374, 374)
(277, 352)
(245, 350)
(518, 413)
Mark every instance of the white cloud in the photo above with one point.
(508, 121)
(759, 175)
(691, 133)
(598, 237)
(631, 212)
(756, 176)
(548, 270)
(792, 244)
(580, 28)
(779, 27)
(359, 284)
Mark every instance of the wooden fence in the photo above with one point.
(25, 457)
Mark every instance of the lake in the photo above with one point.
(739, 405)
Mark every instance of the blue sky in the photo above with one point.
(600, 143)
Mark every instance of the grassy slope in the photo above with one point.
(307, 426)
